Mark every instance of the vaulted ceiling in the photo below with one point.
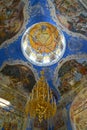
(65, 67)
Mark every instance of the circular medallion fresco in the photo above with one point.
(43, 44)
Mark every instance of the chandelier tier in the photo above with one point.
(41, 103)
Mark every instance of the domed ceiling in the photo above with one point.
(43, 44)
(48, 35)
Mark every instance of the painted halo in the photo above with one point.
(43, 44)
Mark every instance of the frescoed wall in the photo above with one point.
(60, 119)
(16, 82)
(78, 111)
(11, 106)
(10, 120)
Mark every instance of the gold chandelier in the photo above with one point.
(41, 103)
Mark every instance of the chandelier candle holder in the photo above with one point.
(41, 103)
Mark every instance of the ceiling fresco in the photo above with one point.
(71, 73)
(12, 19)
(72, 14)
(19, 77)
(43, 44)
(35, 21)
(41, 34)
